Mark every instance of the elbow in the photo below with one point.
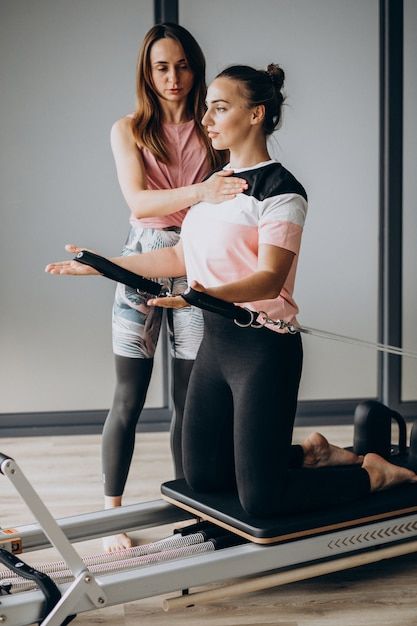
(138, 207)
(272, 288)
(137, 212)
(269, 293)
(272, 294)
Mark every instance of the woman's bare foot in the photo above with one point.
(117, 543)
(383, 475)
(318, 452)
(121, 541)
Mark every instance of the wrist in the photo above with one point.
(121, 261)
(220, 292)
(199, 195)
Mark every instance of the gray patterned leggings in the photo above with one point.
(136, 328)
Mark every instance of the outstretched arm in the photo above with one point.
(145, 202)
(163, 262)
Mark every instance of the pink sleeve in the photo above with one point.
(281, 221)
(282, 234)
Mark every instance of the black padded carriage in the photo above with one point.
(224, 509)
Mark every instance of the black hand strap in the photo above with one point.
(215, 305)
(117, 273)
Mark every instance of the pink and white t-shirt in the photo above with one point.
(221, 240)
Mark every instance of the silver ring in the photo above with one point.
(252, 317)
(292, 330)
(261, 323)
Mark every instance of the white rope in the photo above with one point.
(262, 319)
(381, 347)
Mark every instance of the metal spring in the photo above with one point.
(21, 584)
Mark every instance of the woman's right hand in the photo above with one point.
(222, 186)
(71, 267)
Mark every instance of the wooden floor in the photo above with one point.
(66, 473)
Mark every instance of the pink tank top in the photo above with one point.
(188, 164)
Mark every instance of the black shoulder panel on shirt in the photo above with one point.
(269, 180)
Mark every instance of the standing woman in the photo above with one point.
(162, 154)
(242, 395)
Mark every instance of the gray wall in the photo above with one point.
(67, 73)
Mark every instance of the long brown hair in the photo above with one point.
(147, 120)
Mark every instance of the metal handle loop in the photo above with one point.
(249, 323)
(261, 320)
(292, 329)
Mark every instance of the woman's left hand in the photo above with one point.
(174, 302)
(71, 267)
(168, 302)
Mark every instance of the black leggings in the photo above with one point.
(238, 424)
(118, 442)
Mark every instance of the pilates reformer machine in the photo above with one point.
(216, 540)
(222, 543)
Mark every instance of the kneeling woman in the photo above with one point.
(242, 396)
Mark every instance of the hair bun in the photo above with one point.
(276, 74)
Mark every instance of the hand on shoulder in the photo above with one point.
(221, 186)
